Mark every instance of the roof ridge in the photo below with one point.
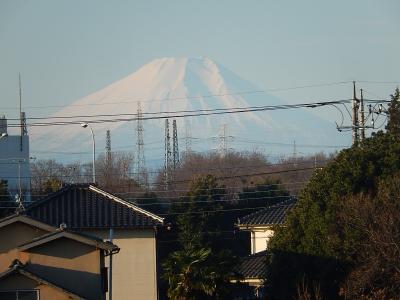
(279, 204)
(126, 203)
(53, 194)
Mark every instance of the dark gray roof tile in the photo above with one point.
(272, 215)
(86, 206)
(253, 266)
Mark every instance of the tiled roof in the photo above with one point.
(86, 206)
(272, 215)
(253, 266)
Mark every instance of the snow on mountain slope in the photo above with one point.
(181, 84)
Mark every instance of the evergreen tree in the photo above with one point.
(200, 269)
(314, 244)
(393, 125)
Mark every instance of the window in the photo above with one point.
(20, 295)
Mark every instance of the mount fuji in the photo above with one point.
(182, 84)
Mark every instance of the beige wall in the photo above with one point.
(134, 267)
(18, 281)
(16, 234)
(63, 261)
(68, 262)
(13, 235)
(260, 238)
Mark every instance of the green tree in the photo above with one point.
(263, 193)
(313, 233)
(393, 125)
(200, 269)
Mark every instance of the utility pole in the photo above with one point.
(362, 117)
(357, 116)
(355, 124)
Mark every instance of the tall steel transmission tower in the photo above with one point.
(175, 148)
(167, 156)
(224, 139)
(188, 139)
(108, 147)
(109, 167)
(141, 168)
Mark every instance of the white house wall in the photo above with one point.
(260, 238)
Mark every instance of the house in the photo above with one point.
(38, 259)
(87, 209)
(252, 269)
(261, 223)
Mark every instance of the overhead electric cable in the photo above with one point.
(194, 113)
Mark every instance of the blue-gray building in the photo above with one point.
(14, 161)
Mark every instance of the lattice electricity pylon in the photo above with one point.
(167, 157)
(140, 167)
(188, 139)
(224, 139)
(108, 148)
(175, 148)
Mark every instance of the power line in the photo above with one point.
(189, 180)
(213, 211)
(199, 189)
(190, 113)
(199, 201)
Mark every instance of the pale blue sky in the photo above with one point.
(68, 49)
